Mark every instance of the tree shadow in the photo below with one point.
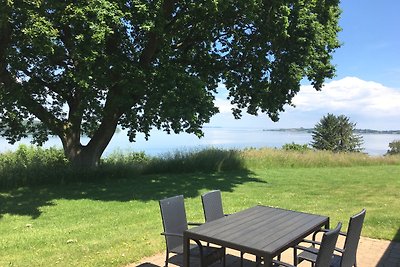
(27, 201)
(391, 257)
(177, 260)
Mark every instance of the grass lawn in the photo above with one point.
(112, 223)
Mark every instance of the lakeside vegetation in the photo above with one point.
(310, 130)
(110, 216)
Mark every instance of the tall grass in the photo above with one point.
(277, 158)
(30, 165)
(208, 160)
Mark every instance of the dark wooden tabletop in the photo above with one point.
(262, 231)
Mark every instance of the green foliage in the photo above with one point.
(36, 166)
(117, 157)
(295, 147)
(394, 148)
(84, 67)
(336, 133)
(207, 160)
(30, 165)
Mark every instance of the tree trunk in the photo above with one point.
(88, 156)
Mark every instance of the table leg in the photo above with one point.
(186, 246)
(295, 260)
(267, 261)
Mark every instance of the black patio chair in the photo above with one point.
(213, 209)
(212, 205)
(174, 221)
(324, 254)
(346, 256)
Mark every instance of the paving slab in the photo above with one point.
(371, 253)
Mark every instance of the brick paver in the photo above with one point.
(371, 253)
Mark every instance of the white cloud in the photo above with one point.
(351, 95)
(224, 105)
(367, 103)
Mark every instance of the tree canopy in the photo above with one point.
(394, 148)
(337, 134)
(72, 68)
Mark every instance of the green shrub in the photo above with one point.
(30, 165)
(133, 159)
(295, 147)
(394, 148)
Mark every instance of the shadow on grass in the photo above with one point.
(397, 238)
(29, 200)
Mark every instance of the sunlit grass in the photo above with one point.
(115, 220)
(266, 157)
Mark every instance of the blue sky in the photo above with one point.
(371, 41)
(367, 85)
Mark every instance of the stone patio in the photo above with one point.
(371, 253)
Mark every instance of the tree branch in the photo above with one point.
(25, 99)
(5, 40)
(154, 39)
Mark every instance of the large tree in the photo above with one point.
(337, 134)
(73, 68)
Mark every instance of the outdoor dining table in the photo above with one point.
(261, 231)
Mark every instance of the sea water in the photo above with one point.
(225, 137)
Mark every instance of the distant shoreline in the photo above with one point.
(309, 130)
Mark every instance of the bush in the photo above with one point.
(295, 147)
(30, 165)
(117, 157)
(394, 148)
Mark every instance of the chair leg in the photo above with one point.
(166, 258)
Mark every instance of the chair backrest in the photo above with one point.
(174, 220)
(352, 238)
(212, 205)
(327, 247)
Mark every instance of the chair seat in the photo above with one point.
(210, 254)
(179, 249)
(305, 255)
(308, 256)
